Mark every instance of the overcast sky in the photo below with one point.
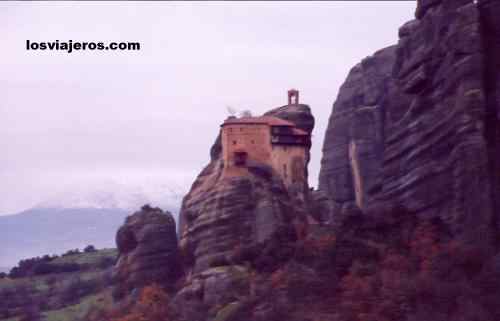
(96, 120)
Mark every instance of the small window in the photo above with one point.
(253, 141)
(240, 158)
(234, 142)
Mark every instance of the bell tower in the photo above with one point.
(293, 97)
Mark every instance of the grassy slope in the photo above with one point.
(86, 258)
(78, 311)
(52, 285)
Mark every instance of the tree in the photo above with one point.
(151, 306)
(89, 249)
(72, 252)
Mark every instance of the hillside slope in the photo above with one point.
(58, 296)
(43, 231)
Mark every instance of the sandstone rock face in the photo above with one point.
(354, 142)
(409, 188)
(436, 162)
(231, 225)
(221, 215)
(414, 124)
(232, 213)
(148, 252)
(299, 114)
(490, 32)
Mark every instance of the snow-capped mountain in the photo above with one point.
(114, 195)
(79, 216)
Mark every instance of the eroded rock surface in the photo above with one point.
(148, 251)
(407, 199)
(408, 190)
(299, 114)
(413, 123)
(232, 214)
(353, 148)
(232, 225)
(221, 215)
(436, 159)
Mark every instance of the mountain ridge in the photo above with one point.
(40, 231)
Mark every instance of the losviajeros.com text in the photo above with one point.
(70, 46)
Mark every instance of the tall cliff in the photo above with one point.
(490, 30)
(222, 213)
(232, 225)
(415, 125)
(407, 205)
(353, 147)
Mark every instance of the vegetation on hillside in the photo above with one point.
(151, 305)
(44, 288)
(70, 261)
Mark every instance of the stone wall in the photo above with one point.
(255, 139)
(289, 162)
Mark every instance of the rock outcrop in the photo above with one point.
(414, 124)
(436, 162)
(223, 215)
(299, 114)
(148, 250)
(489, 11)
(353, 148)
(232, 214)
(407, 201)
(232, 225)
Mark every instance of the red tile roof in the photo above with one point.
(269, 120)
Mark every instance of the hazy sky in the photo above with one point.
(143, 121)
